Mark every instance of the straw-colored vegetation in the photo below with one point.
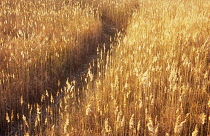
(116, 12)
(41, 42)
(153, 81)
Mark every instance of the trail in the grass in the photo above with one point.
(19, 128)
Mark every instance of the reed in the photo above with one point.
(42, 43)
(155, 81)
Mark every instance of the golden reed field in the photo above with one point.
(105, 67)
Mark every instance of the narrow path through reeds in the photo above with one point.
(80, 34)
(109, 32)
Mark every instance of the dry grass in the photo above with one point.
(114, 12)
(154, 81)
(41, 42)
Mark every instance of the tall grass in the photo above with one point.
(153, 81)
(156, 80)
(42, 42)
(114, 12)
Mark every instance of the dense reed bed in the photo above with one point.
(114, 12)
(154, 82)
(42, 43)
